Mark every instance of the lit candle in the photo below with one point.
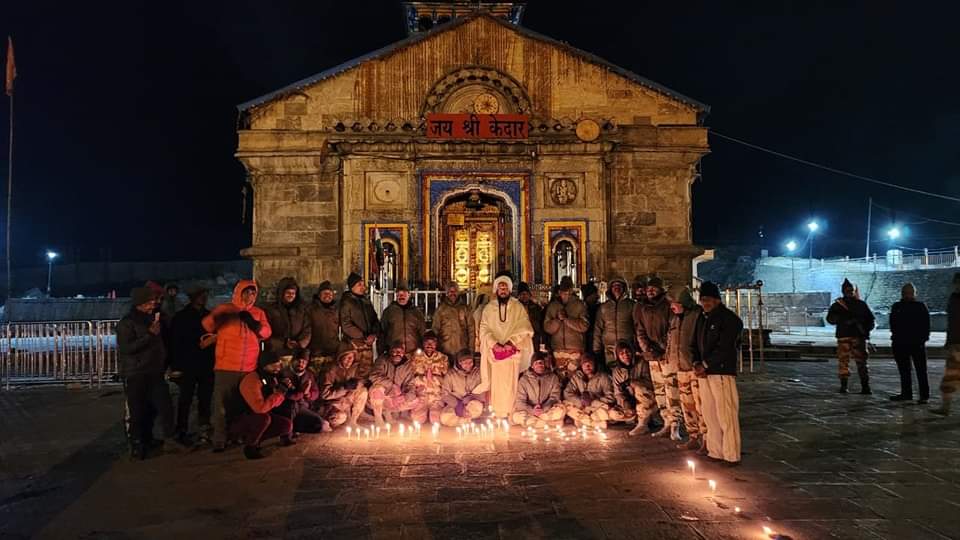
(736, 509)
(402, 429)
(367, 433)
(713, 486)
(459, 433)
(378, 432)
(768, 531)
(348, 432)
(388, 430)
(693, 467)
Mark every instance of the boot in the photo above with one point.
(864, 380)
(664, 431)
(137, 451)
(675, 432)
(944, 409)
(693, 444)
(639, 429)
(843, 385)
(252, 452)
(287, 440)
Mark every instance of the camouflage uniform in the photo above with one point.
(392, 389)
(951, 373)
(854, 321)
(538, 390)
(632, 394)
(455, 328)
(653, 327)
(427, 382)
(679, 338)
(357, 321)
(596, 391)
(566, 335)
(614, 323)
(325, 334)
(339, 402)
(458, 386)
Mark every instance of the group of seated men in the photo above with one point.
(315, 370)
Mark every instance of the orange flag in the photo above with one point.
(11, 66)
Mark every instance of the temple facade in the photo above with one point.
(473, 145)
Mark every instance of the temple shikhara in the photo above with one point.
(471, 146)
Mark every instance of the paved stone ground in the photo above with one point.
(816, 465)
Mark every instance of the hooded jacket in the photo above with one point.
(237, 345)
(259, 393)
(653, 321)
(455, 328)
(139, 351)
(679, 336)
(324, 327)
(357, 318)
(852, 317)
(716, 340)
(623, 375)
(335, 379)
(533, 390)
(614, 320)
(186, 330)
(288, 321)
(600, 387)
(403, 323)
(458, 384)
(567, 334)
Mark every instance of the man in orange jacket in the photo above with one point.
(240, 327)
(255, 417)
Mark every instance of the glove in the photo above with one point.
(351, 384)
(585, 402)
(247, 318)
(461, 409)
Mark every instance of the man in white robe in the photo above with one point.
(506, 345)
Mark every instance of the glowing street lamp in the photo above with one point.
(813, 226)
(51, 255)
(791, 247)
(893, 233)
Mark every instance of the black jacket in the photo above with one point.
(953, 319)
(852, 317)
(909, 323)
(288, 321)
(715, 341)
(139, 351)
(187, 329)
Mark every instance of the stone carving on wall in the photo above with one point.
(563, 191)
(385, 190)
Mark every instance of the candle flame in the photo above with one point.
(767, 530)
(713, 485)
(736, 509)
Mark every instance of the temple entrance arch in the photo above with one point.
(477, 232)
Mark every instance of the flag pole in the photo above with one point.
(10, 201)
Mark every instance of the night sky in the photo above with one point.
(126, 113)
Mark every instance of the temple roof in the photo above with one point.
(416, 38)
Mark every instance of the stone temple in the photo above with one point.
(472, 145)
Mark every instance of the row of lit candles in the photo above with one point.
(692, 465)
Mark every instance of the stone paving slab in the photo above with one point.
(816, 465)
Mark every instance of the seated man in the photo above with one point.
(392, 388)
(538, 396)
(343, 394)
(634, 399)
(461, 405)
(589, 395)
(429, 368)
(254, 418)
(302, 393)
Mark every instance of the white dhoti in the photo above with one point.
(504, 323)
(503, 385)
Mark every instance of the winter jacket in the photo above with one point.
(458, 384)
(716, 340)
(536, 315)
(187, 329)
(909, 323)
(357, 318)
(402, 323)
(238, 346)
(599, 385)
(953, 319)
(335, 380)
(305, 390)
(259, 392)
(567, 334)
(614, 322)
(288, 321)
(852, 317)
(621, 378)
(139, 351)
(324, 328)
(455, 328)
(653, 321)
(386, 375)
(679, 337)
(533, 390)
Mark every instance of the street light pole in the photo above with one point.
(50, 257)
(791, 245)
(812, 226)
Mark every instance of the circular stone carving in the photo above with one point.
(512, 97)
(387, 191)
(588, 130)
(486, 104)
(563, 191)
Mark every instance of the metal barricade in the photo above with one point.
(747, 302)
(57, 352)
(427, 300)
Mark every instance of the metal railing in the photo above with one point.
(747, 302)
(58, 352)
(427, 300)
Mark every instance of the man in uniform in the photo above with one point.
(539, 402)
(854, 321)
(566, 323)
(289, 321)
(429, 368)
(653, 322)
(453, 323)
(614, 322)
(535, 312)
(683, 322)
(951, 374)
(342, 392)
(392, 390)
(403, 321)
(324, 315)
(589, 395)
(632, 391)
(359, 322)
(461, 401)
